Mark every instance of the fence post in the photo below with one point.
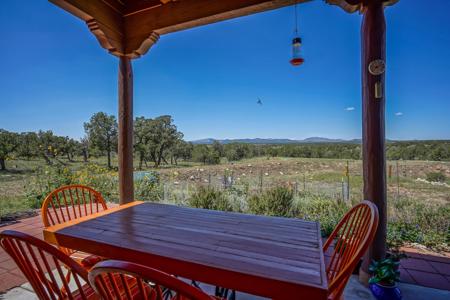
(398, 181)
(260, 181)
(224, 180)
(304, 183)
(231, 179)
(348, 182)
(165, 192)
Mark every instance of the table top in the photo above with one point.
(266, 256)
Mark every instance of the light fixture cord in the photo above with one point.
(296, 18)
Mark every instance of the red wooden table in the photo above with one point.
(273, 257)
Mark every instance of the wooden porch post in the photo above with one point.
(125, 116)
(374, 159)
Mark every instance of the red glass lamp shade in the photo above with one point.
(297, 61)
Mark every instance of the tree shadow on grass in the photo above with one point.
(16, 171)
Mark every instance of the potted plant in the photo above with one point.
(396, 255)
(385, 275)
(394, 252)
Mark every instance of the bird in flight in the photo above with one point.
(259, 101)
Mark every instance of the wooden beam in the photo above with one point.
(136, 6)
(347, 5)
(104, 21)
(139, 46)
(93, 9)
(125, 153)
(373, 36)
(358, 5)
(180, 15)
(117, 5)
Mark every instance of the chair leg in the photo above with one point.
(219, 291)
(195, 283)
(223, 293)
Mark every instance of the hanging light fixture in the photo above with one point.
(297, 59)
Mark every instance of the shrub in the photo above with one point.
(99, 178)
(411, 221)
(234, 152)
(326, 211)
(436, 177)
(206, 155)
(274, 202)
(148, 187)
(49, 178)
(210, 198)
(46, 180)
(237, 196)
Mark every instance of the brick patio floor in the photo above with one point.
(420, 269)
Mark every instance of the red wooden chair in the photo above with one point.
(69, 203)
(119, 280)
(36, 259)
(352, 237)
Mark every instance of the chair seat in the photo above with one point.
(135, 291)
(133, 287)
(185, 298)
(88, 291)
(87, 260)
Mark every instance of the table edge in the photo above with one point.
(49, 232)
(323, 267)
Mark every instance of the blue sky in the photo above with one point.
(54, 75)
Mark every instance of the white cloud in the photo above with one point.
(350, 108)
(398, 114)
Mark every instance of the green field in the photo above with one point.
(418, 209)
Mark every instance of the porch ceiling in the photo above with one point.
(130, 27)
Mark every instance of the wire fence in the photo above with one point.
(349, 187)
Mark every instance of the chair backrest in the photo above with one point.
(119, 280)
(45, 267)
(351, 238)
(71, 202)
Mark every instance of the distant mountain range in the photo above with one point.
(309, 140)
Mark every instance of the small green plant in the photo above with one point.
(148, 187)
(210, 198)
(321, 209)
(49, 178)
(237, 196)
(100, 178)
(396, 255)
(385, 272)
(412, 221)
(436, 177)
(274, 202)
(46, 180)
